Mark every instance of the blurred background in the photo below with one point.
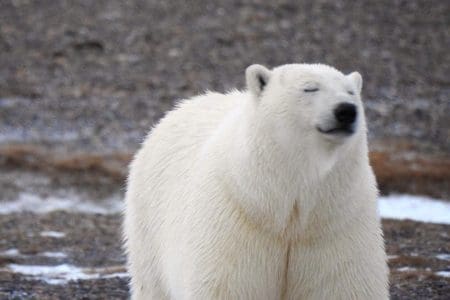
(82, 82)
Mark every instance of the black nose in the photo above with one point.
(345, 113)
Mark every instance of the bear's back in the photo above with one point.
(174, 144)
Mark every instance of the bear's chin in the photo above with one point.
(337, 134)
(338, 130)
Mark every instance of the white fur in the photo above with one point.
(239, 196)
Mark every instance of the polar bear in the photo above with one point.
(259, 194)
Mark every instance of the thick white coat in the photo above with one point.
(239, 196)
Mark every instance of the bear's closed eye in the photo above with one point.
(310, 90)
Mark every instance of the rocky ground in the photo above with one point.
(91, 242)
(82, 81)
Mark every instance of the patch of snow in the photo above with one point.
(53, 234)
(72, 202)
(53, 254)
(443, 273)
(14, 135)
(9, 102)
(16, 253)
(51, 274)
(392, 256)
(417, 208)
(406, 269)
(112, 275)
(116, 275)
(10, 252)
(61, 274)
(444, 256)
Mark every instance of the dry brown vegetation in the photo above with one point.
(428, 175)
(419, 174)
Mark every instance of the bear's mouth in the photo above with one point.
(343, 130)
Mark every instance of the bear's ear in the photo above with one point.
(257, 77)
(357, 80)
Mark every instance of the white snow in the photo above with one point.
(61, 274)
(443, 273)
(443, 256)
(53, 234)
(72, 202)
(53, 254)
(13, 135)
(406, 269)
(16, 253)
(417, 208)
(51, 274)
(115, 275)
(10, 252)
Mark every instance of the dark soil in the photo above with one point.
(96, 74)
(94, 241)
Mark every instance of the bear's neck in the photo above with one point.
(271, 184)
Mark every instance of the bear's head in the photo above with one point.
(307, 103)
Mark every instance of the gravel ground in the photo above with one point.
(96, 74)
(82, 81)
(93, 241)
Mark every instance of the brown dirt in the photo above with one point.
(414, 173)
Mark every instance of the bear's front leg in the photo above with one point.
(244, 267)
(225, 256)
(338, 268)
